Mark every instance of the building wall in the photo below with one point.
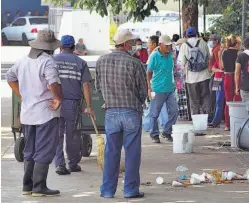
(24, 6)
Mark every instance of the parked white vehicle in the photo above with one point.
(24, 29)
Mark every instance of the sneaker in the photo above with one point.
(155, 139)
(76, 168)
(62, 170)
(167, 136)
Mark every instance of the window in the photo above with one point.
(19, 22)
(38, 21)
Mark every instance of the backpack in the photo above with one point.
(197, 61)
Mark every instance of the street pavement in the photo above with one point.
(157, 160)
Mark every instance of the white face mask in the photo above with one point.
(139, 47)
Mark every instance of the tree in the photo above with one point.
(139, 9)
(231, 21)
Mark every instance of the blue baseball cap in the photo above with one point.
(191, 31)
(67, 41)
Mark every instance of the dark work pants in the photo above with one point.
(199, 95)
(212, 98)
(41, 141)
(67, 125)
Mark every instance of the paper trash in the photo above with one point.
(176, 184)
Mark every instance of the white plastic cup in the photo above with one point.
(159, 180)
(153, 95)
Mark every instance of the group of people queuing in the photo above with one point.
(7, 18)
(50, 88)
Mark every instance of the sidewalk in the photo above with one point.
(157, 160)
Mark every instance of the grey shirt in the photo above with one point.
(34, 77)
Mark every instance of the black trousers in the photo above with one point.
(199, 95)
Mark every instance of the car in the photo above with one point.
(24, 29)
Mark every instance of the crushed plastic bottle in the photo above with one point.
(181, 168)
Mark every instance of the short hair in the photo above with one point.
(175, 37)
(80, 39)
(246, 43)
(138, 40)
(154, 39)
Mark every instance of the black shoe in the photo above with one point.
(62, 170)
(155, 139)
(167, 136)
(40, 181)
(214, 125)
(139, 195)
(76, 168)
(28, 177)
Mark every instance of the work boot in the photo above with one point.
(167, 136)
(27, 178)
(155, 139)
(62, 170)
(75, 168)
(40, 181)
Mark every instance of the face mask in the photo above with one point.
(210, 44)
(139, 47)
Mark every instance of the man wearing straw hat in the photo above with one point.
(36, 81)
(122, 80)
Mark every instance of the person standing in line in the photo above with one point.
(218, 87)
(18, 14)
(36, 81)
(74, 75)
(242, 73)
(160, 79)
(141, 53)
(122, 80)
(214, 44)
(229, 57)
(153, 45)
(194, 56)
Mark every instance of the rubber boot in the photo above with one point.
(40, 181)
(28, 177)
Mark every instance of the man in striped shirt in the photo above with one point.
(74, 74)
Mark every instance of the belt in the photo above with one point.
(229, 73)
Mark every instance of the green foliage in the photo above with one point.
(231, 21)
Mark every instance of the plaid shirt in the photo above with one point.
(122, 80)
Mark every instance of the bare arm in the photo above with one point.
(149, 77)
(15, 87)
(55, 88)
(237, 78)
(87, 95)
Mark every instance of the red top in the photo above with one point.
(218, 74)
(142, 55)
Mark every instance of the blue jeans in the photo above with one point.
(172, 109)
(220, 98)
(123, 126)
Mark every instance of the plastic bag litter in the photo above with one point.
(176, 184)
(246, 175)
(194, 181)
(181, 168)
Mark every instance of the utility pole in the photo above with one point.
(244, 15)
(180, 19)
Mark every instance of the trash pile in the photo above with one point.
(214, 177)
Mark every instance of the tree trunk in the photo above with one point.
(190, 14)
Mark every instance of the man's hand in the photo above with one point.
(149, 94)
(54, 104)
(91, 112)
(237, 91)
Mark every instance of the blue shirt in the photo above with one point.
(163, 72)
(34, 77)
(73, 73)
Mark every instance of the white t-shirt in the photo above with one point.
(194, 77)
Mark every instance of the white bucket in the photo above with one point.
(200, 122)
(182, 128)
(238, 112)
(183, 142)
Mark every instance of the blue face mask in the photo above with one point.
(210, 44)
